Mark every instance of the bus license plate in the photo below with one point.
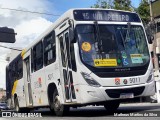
(126, 95)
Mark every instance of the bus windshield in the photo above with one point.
(114, 45)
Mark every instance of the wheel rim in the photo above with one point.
(57, 104)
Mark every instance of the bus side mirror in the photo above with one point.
(71, 35)
(7, 35)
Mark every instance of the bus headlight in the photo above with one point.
(90, 80)
(150, 78)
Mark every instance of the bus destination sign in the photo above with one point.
(105, 15)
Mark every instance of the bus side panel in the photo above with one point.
(19, 90)
(52, 76)
(39, 89)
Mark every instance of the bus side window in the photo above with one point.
(38, 56)
(14, 73)
(19, 69)
(49, 49)
(62, 51)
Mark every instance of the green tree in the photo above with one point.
(144, 11)
(122, 5)
(107, 4)
(114, 4)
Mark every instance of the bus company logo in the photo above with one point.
(117, 81)
(38, 83)
(125, 81)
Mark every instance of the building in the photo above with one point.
(2, 94)
(155, 19)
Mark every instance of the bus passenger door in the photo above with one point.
(66, 71)
(29, 99)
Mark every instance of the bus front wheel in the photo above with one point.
(59, 109)
(111, 106)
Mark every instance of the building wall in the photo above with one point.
(2, 93)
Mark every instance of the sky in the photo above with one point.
(29, 26)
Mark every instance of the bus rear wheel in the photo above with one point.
(16, 105)
(59, 109)
(111, 106)
(18, 109)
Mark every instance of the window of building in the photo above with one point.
(38, 56)
(49, 49)
(158, 27)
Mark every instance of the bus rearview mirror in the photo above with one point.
(71, 35)
(7, 35)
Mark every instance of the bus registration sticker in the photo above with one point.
(105, 62)
(136, 58)
(86, 46)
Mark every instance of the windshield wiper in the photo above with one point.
(98, 40)
(123, 41)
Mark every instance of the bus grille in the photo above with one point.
(120, 74)
(115, 93)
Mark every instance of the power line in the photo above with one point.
(29, 11)
(10, 48)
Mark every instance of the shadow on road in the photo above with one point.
(100, 111)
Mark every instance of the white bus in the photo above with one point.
(87, 57)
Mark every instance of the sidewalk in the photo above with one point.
(140, 104)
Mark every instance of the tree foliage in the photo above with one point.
(144, 11)
(122, 5)
(113, 4)
(103, 4)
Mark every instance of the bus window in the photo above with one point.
(49, 49)
(158, 27)
(19, 69)
(38, 56)
(62, 51)
(68, 49)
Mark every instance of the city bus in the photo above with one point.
(87, 57)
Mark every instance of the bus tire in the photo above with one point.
(16, 105)
(18, 109)
(111, 106)
(59, 109)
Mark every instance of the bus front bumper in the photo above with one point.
(100, 94)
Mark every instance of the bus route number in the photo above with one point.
(134, 80)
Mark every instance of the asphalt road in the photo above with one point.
(125, 111)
